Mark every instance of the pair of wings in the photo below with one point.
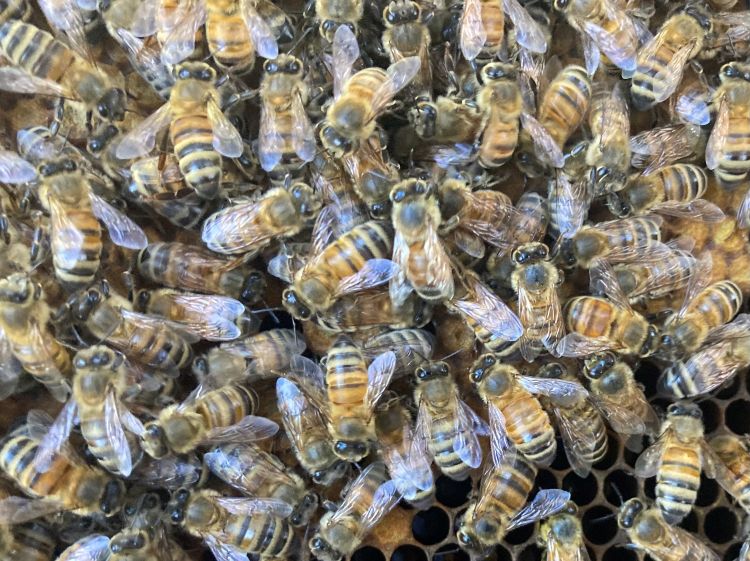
(414, 346)
(299, 415)
(653, 149)
(263, 350)
(272, 145)
(409, 465)
(620, 408)
(534, 308)
(659, 278)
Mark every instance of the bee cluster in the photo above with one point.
(447, 279)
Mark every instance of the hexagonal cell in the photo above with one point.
(730, 388)
(368, 553)
(619, 553)
(409, 553)
(430, 526)
(532, 552)
(582, 491)
(711, 415)
(690, 522)
(618, 486)
(649, 488)
(450, 552)
(648, 374)
(736, 415)
(502, 554)
(599, 524)
(545, 479)
(520, 535)
(732, 552)
(708, 492)
(452, 493)
(720, 525)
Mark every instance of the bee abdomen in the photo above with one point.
(565, 103)
(34, 50)
(226, 406)
(199, 162)
(530, 429)
(498, 143)
(734, 159)
(684, 182)
(229, 41)
(76, 266)
(717, 304)
(648, 84)
(677, 482)
(441, 445)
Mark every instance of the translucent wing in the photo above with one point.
(562, 391)
(142, 138)
(692, 105)
(743, 212)
(621, 416)
(647, 464)
(180, 41)
(529, 311)
(669, 76)
(158, 323)
(345, 54)
(645, 251)
(39, 340)
(354, 493)
(147, 57)
(385, 498)
(303, 133)
(246, 469)
(468, 242)
(116, 435)
(682, 545)
(698, 281)
(235, 229)
(591, 55)
(14, 169)
(400, 73)
(16, 80)
(56, 437)
(473, 35)
(485, 307)
(624, 57)
(226, 138)
(468, 425)
(604, 281)
(250, 507)
(545, 147)
(263, 37)
(700, 210)
(439, 270)
(66, 235)
(569, 202)
(249, 429)
(501, 447)
(579, 439)
(709, 368)
(223, 551)
(10, 368)
(89, 548)
(270, 141)
(546, 503)
(577, 345)
(257, 347)
(209, 317)
(374, 273)
(17, 510)
(65, 17)
(123, 231)
(529, 33)
(144, 19)
(308, 370)
(719, 135)
(614, 113)
(379, 376)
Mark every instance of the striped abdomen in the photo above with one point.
(33, 541)
(511, 488)
(734, 158)
(673, 272)
(683, 182)
(266, 535)
(346, 378)
(715, 305)
(677, 480)
(364, 84)
(492, 342)
(590, 316)
(14, 10)
(499, 140)
(493, 22)
(35, 51)
(191, 134)
(45, 364)
(586, 416)
(529, 428)
(226, 406)
(632, 232)
(154, 345)
(565, 103)
(228, 38)
(94, 432)
(738, 467)
(76, 265)
(442, 443)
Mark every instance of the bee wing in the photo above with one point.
(699, 280)
(130, 421)
(564, 392)
(400, 73)
(270, 141)
(234, 467)
(308, 370)
(570, 202)
(379, 376)
(253, 347)
(66, 19)
(552, 317)
(422, 428)
(250, 507)
(717, 363)
(249, 429)
(66, 232)
(144, 22)
(17, 510)
(545, 146)
(142, 138)
(439, 268)
(660, 278)
(122, 230)
(158, 323)
(577, 345)
(603, 281)
(719, 134)
(486, 308)
(700, 210)
(468, 242)
(116, 435)
(10, 368)
(56, 436)
(473, 34)
(262, 35)
(234, 229)
(345, 54)
(591, 55)
(737, 329)
(385, 498)
(529, 33)
(89, 548)
(467, 425)
(223, 551)
(692, 104)
(147, 56)
(15, 80)
(743, 212)
(303, 133)
(610, 44)
(226, 138)
(579, 439)
(209, 317)
(647, 464)
(353, 494)
(185, 22)
(614, 112)
(14, 169)
(620, 415)
(501, 447)
(667, 78)
(373, 273)
(544, 504)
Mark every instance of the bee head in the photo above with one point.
(530, 253)
(651, 344)
(629, 511)
(473, 532)
(495, 71)
(684, 409)
(112, 497)
(423, 117)
(432, 370)
(292, 303)
(481, 367)
(101, 138)
(62, 165)
(596, 366)
(326, 476)
(397, 13)
(86, 301)
(333, 141)
(306, 200)
(699, 13)
(562, 5)
(153, 440)
(178, 505)
(192, 70)
(321, 549)
(111, 106)
(19, 289)
(350, 450)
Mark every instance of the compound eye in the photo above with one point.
(293, 67)
(271, 67)
(183, 74)
(328, 25)
(730, 71)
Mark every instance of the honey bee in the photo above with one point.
(68, 484)
(406, 35)
(407, 462)
(649, 532)
(562, 535)
(198, 129)
(655, 148)
(281, 212)
(372, 174)
(655, 279)
(605, 28)
(144, 54)
(535, 280)
(483, 28)
(108, 317)
(446, 426)
(361, 97)
(24, 324)
(259, 474)
(367, 500)
(501, 505)
(411, 347)
(286, 140)
(706, 306)
(170, 472)
(424, 265)
(598, 324)
(613, 389)
(609, 150)
(43, 65)
(661, 61)
(332, 15)
(677, 459)
(232, 527)
(446, 120)
(306, 430)
(191, 268)
(731, 470)
(500, 102)
(726, 350)
(674, 190)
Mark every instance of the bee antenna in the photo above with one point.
(454, 353)
(604, 518)
(298, 42)
(616, 490)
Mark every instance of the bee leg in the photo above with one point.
(38, 250)
(309, 9)
(89, 121)
(54, 126)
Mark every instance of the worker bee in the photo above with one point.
(579, 422)
(41, 64)
(411, 347)
(256, 473)
(598, 324)
(660, 146)
(406, 35)
(535, 280)
(408, 463)
(68, 484)
(674, 190)
(332, 15)
(649, 532)
(367, 500)
(107, 317)
(501, 505)
(191, 268)
(731, 470)
(281, 212)
(609, 149)
(606, 28)
(613, 389)
(232, 527)
(562, 535)
(24, 328)
(192, 111)
(726, 350)
(424, 265)
(483, 28)
(656, 279)
(446, 426)
(661, 61)
(170, 472)
(361, 97)
(706, 306)
(306, 430)
(446, 120)
(144, 54)
(500, 103)
(677, 459)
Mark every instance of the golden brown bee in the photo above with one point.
(598, 324)
(281, 212)
(335, 14)
(68, 484)
(677, 459)
(191, 268)
(199, 130)
(406, 35)
(649, 532)
(256, 473)
(655, 279)
(609, 149)
(562, 535)
(424, 265)
(500, 102)
(446, 426)
(673, 190)
(369, 497)
(446, 120)
(731, 471)
(661, 61)
(308, 435)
